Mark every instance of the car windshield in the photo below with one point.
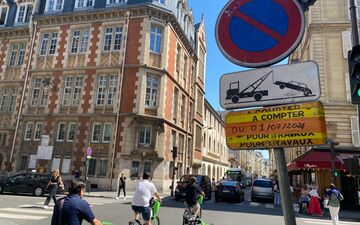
(186, 178)
(263, 183)
(230, 183)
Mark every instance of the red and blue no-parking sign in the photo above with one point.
(257, 33)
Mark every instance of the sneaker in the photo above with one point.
(117, 198)
(125, 198)
(45, 207)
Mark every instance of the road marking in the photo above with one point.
(17, 216)
(328, 222)
(36, 206)
(269, 206)
(22, 210)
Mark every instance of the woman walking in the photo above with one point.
(334, 197)
(55, 182)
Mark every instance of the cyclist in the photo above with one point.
(192, 192)
(144, 191)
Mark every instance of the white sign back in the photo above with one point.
(284, 84)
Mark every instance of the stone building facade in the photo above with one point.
(215, 159)
(124, 78)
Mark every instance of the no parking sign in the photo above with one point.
(258, 33)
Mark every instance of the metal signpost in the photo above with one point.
(259, 33)
(298, 82)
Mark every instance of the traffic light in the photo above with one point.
(174, 152)
(354, 73)
(335, 173)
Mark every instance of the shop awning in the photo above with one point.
(320, 160)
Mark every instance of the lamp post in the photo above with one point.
(333, 155)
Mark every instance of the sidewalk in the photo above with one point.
(113, 194)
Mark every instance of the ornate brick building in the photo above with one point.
(125, 78)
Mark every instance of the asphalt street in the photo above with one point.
(21, 210)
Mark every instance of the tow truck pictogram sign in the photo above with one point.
(276, 85)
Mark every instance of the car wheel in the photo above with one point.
(38, 191)
(257, 96)
(282, 86)
(252, 199)
(235, 99)
(306, 93)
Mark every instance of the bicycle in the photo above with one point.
(189, 217)
(155, 207)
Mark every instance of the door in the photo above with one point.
(16, 184)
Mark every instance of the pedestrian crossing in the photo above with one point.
(252, 204)
(34, 212)
(326, 222)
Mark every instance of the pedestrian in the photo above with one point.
(358, 196)
(72, 209)
(54, 184)
(314, 205)
(122, 185)
(77, 174)
(304, 199)
(276, 194)
(213, 184)
(335, 197)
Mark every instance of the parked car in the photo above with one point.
(26, 183)
(262, 189)
(202, 181)
(229, 190)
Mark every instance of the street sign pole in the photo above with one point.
(285, 195)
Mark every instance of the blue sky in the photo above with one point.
(216, 64)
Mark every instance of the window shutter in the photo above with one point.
(355, 131)
(346, 42)
(347, 87)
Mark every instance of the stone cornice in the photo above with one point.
(13, 32)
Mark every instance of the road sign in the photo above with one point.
(89, 151)
(281, 126)
(285, 84)
(259, 33)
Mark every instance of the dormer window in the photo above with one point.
(23, 13)
(3, 15)
(160, 1)
(83, 4)
(114, 2)
(54, 5)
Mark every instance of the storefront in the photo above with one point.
(314, 168)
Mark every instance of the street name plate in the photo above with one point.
(284, 84)
(281, 126)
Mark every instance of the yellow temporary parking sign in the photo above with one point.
(279, 126)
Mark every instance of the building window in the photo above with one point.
(40, 91)
(201, 64)
(79, 42)
(103, 167)
(185, 69)
(17, 54)
(199, 103)
(3, 15)
(107, 132)
(38, 131)
(61, 132)
(54, 5)
(95, 137)
(114, 2)
(147, 167)
(23, 162)
(106, 90)
(7, 99)
(3, 139)
(23, 13)
(183, 106)
(71, 132)
(175, 104)
(135, 169)
(178, 58)
(112, 39)
(151, 91)
(145, 136)
(72, 91)
(28, 131)
(92, 167)
(155, 39)
(81, 4)
(48, 43)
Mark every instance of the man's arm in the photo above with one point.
(157, 196)
(96, 222)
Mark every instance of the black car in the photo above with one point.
(33, 183)
(202, 181)
(229, 190)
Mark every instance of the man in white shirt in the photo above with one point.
(144, 191)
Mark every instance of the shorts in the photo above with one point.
(194, 207)
(145, 211)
